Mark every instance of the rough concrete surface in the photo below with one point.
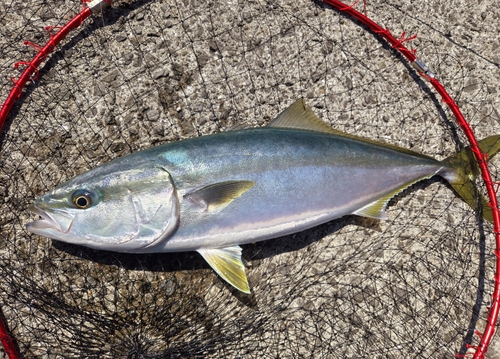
(144, 73)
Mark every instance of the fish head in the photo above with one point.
(122, 211)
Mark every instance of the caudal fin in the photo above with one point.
(466, 170)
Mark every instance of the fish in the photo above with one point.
(214, 193)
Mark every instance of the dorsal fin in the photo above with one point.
(238, 127)
(300, 117)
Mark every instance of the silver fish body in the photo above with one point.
(301, 179)
(211, 194)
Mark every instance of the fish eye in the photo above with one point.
(82, 199)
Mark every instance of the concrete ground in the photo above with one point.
(144, 73)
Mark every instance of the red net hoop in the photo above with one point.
(31, 74)
(398, 44)
(202, 83)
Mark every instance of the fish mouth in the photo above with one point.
(56, 221)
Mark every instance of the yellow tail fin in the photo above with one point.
(465, 170)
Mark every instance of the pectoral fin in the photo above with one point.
(227, 263)
(219, 195)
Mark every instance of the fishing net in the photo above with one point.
(143, 73)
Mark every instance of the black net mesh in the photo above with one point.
(149, 72)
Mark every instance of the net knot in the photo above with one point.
(385, 32)
(401, 40)
(347, 7)
(497, 275)
(33, 45)
(50, 28)
(463, 355)
(469, 346)
(30, 65)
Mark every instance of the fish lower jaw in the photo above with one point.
(43, 225)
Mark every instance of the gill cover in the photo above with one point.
(146, 210)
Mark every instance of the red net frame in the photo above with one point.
(7, 341)
(31, 73)
(31, 70)
(423, 70)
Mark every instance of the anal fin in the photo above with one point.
(376, 209)
(227, 263)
